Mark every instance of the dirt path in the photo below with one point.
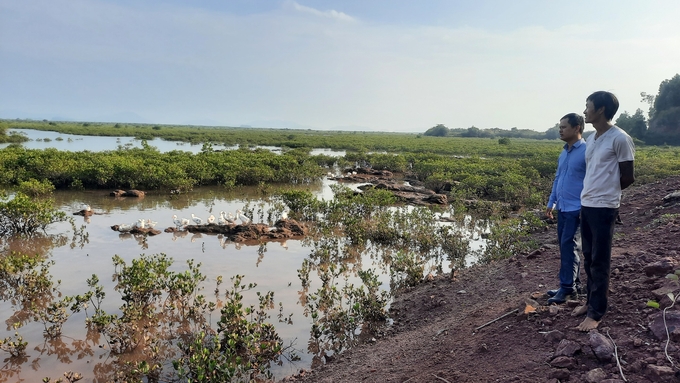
(433, 338)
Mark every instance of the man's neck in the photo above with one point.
(601, 127)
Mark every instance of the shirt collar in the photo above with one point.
(576, 145)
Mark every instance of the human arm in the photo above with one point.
(552, 200)
(626, 169)
(625, 154)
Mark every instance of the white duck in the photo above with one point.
(151, 224)
(284, 215)
(185, 222)
(140, 224)
(244, 220)
(123, 228)
(230, 218)
(196, 220)
(211, 219)
(221, 220)
(176, 221)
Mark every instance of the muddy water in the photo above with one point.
(273, 267)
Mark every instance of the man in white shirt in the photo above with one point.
(610, 153)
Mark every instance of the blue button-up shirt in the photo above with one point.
(571, 169)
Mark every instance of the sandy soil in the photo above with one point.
(436, 335)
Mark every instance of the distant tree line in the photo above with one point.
(441, 130)
(662, 128)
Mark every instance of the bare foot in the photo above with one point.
(588, 324)
(580, 310)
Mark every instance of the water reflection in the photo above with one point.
(179, 234)
(38, 245)
(42, 139)
(12, 368)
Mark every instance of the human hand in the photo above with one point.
(548, 213)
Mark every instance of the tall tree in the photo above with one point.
(669, 95)
(635, 125)
(664, 115)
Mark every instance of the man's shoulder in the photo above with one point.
(618, 132)
(621, 137)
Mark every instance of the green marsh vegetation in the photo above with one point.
(147, 168)
(518, 171)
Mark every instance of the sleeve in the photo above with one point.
(624, 148)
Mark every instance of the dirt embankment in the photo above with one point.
(436, 335)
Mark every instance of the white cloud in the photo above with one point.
(332, 14)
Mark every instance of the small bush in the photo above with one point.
(511, 237)
(35, 188)
(22, 215)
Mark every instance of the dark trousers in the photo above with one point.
(597, 232)
(567, 226)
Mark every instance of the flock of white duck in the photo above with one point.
(182, 223)
(139, 224)
(223, 219)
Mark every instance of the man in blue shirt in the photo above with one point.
(566, 199)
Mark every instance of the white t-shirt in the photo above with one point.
(602, 185)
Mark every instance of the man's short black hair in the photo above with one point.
(608, 100)
(574, 119)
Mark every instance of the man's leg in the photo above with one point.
(560, 230)
(579, 260)
(601, 223)
(569, 257)
(567, 222)
(586, 247)
(603, 234)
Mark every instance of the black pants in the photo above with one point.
(597, 232)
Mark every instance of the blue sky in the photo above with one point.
(384, 65)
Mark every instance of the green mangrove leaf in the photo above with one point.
(654, 304)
